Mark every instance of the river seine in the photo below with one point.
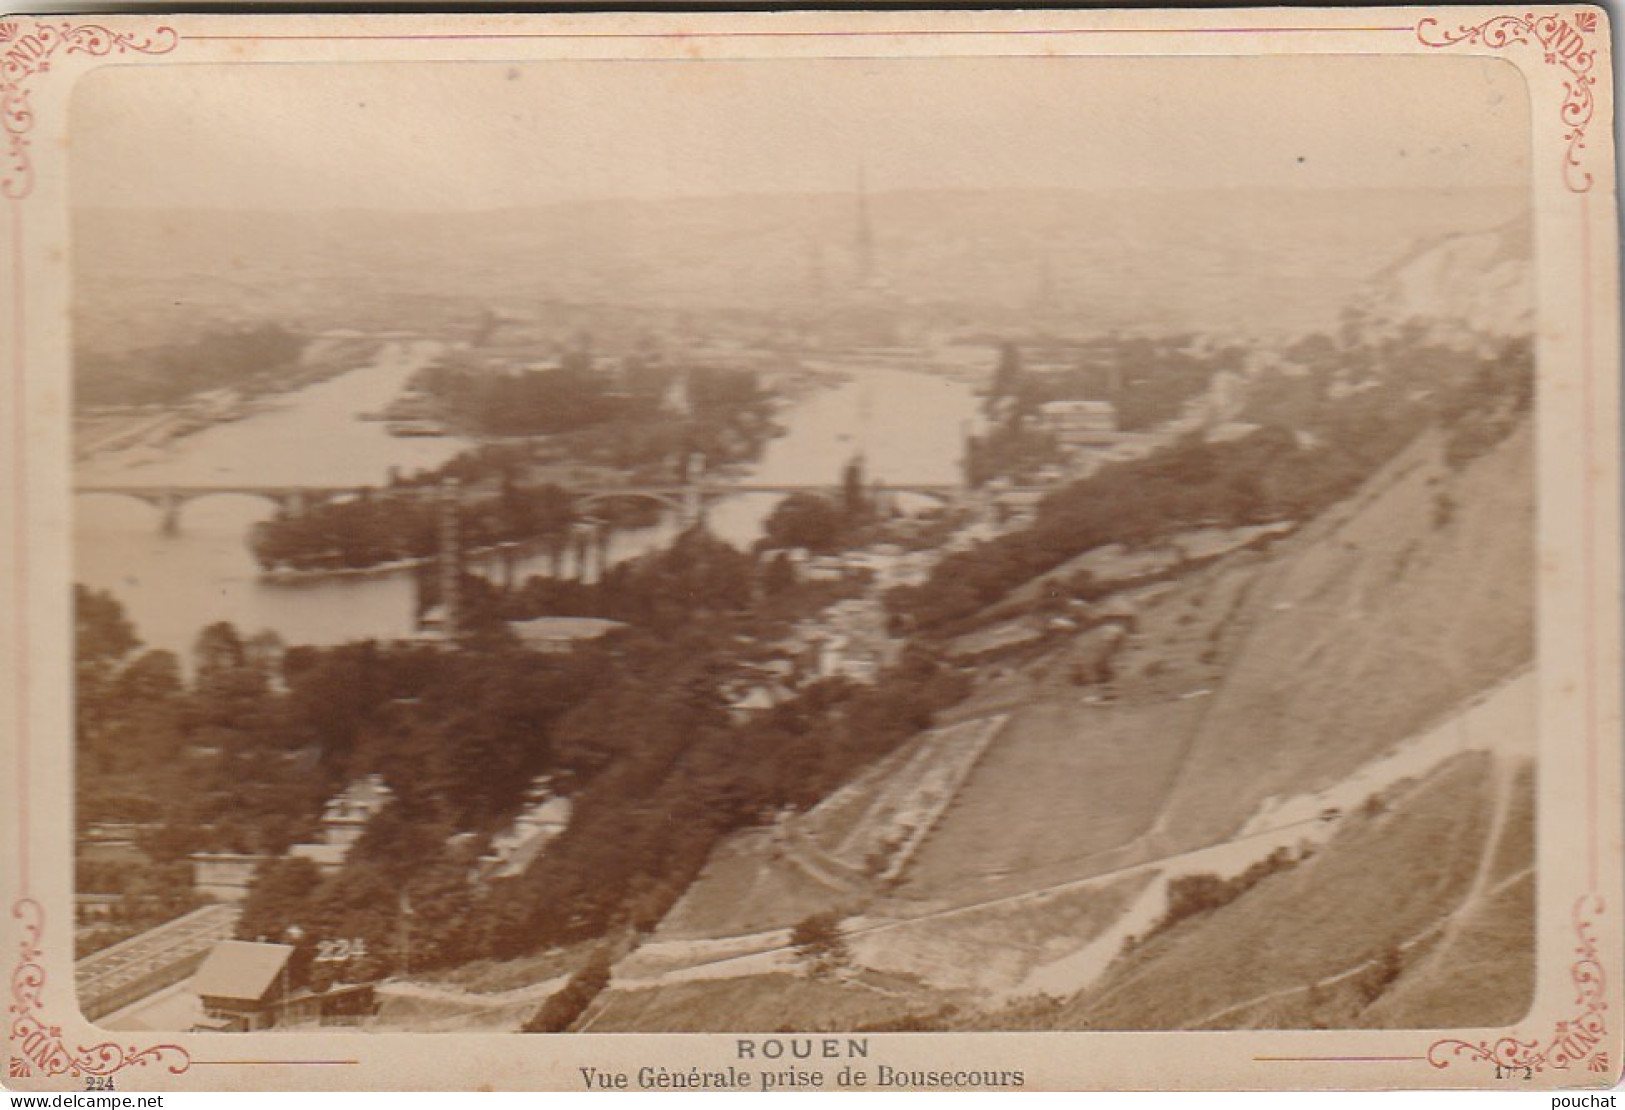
(908, 424)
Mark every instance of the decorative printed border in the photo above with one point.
(27, 54)
(40, 1049)
(1574, 1041)
(1564, 44)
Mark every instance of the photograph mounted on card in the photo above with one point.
(802, 528)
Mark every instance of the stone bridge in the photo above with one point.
(169, 499)
(687, 500)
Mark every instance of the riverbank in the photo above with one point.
(104, 431)
(292, 576)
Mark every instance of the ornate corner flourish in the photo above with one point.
(25, 53)
(1576, 1040)
(1563, 41)
(37, 1047)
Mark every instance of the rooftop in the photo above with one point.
(241, 969)
(564, 628)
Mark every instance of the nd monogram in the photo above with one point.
(28, 54)
(1562, 42)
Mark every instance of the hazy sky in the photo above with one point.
(434, 136)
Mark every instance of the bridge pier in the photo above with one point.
(600, 537)
(692, 512)
(582, 550)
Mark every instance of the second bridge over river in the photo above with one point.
(688, 500)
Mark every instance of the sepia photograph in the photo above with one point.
(812, 547)
(759, 561)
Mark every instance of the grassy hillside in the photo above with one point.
(1271, 674)
(766, 1003)
(993, 945)
(1065, 784)
(1379, 616)
(746, 886)
(1354, 935)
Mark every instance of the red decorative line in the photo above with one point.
(1578, 1040)
(498, 35)
(1563, 43)
(1588, 463)
(19, 519)
(38, 1050)
(24, 54)
(1336, 1059)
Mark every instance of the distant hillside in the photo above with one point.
(1235, 261)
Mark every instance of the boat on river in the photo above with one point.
(414, 428)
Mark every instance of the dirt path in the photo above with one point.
(769, 947)
(1294, 820)
(530, 992)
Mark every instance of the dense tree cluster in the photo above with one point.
(145, 895)
(1203, 892)
(642, 742)
(1325, 427)
(375, 528)
(1146, 379)
(666, 778)
(561, 1010)
(619, 417)
(819, 943)
(595, 423)
(1013, 450)
(1485, 409)
(807, 520)
(526, 401)
(636, 730)
(238, 358)
(1193, 483)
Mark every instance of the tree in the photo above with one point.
(779, 574)
(853, 498)
(232, 690)
(818, 942)
(103, 638)
(1007, 375)
(277, 897)
(806, 520)
(142, 729)
(102, 633)
(563, 1008)
(1380, 973)
(219, 649)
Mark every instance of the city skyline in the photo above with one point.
(466, 137)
